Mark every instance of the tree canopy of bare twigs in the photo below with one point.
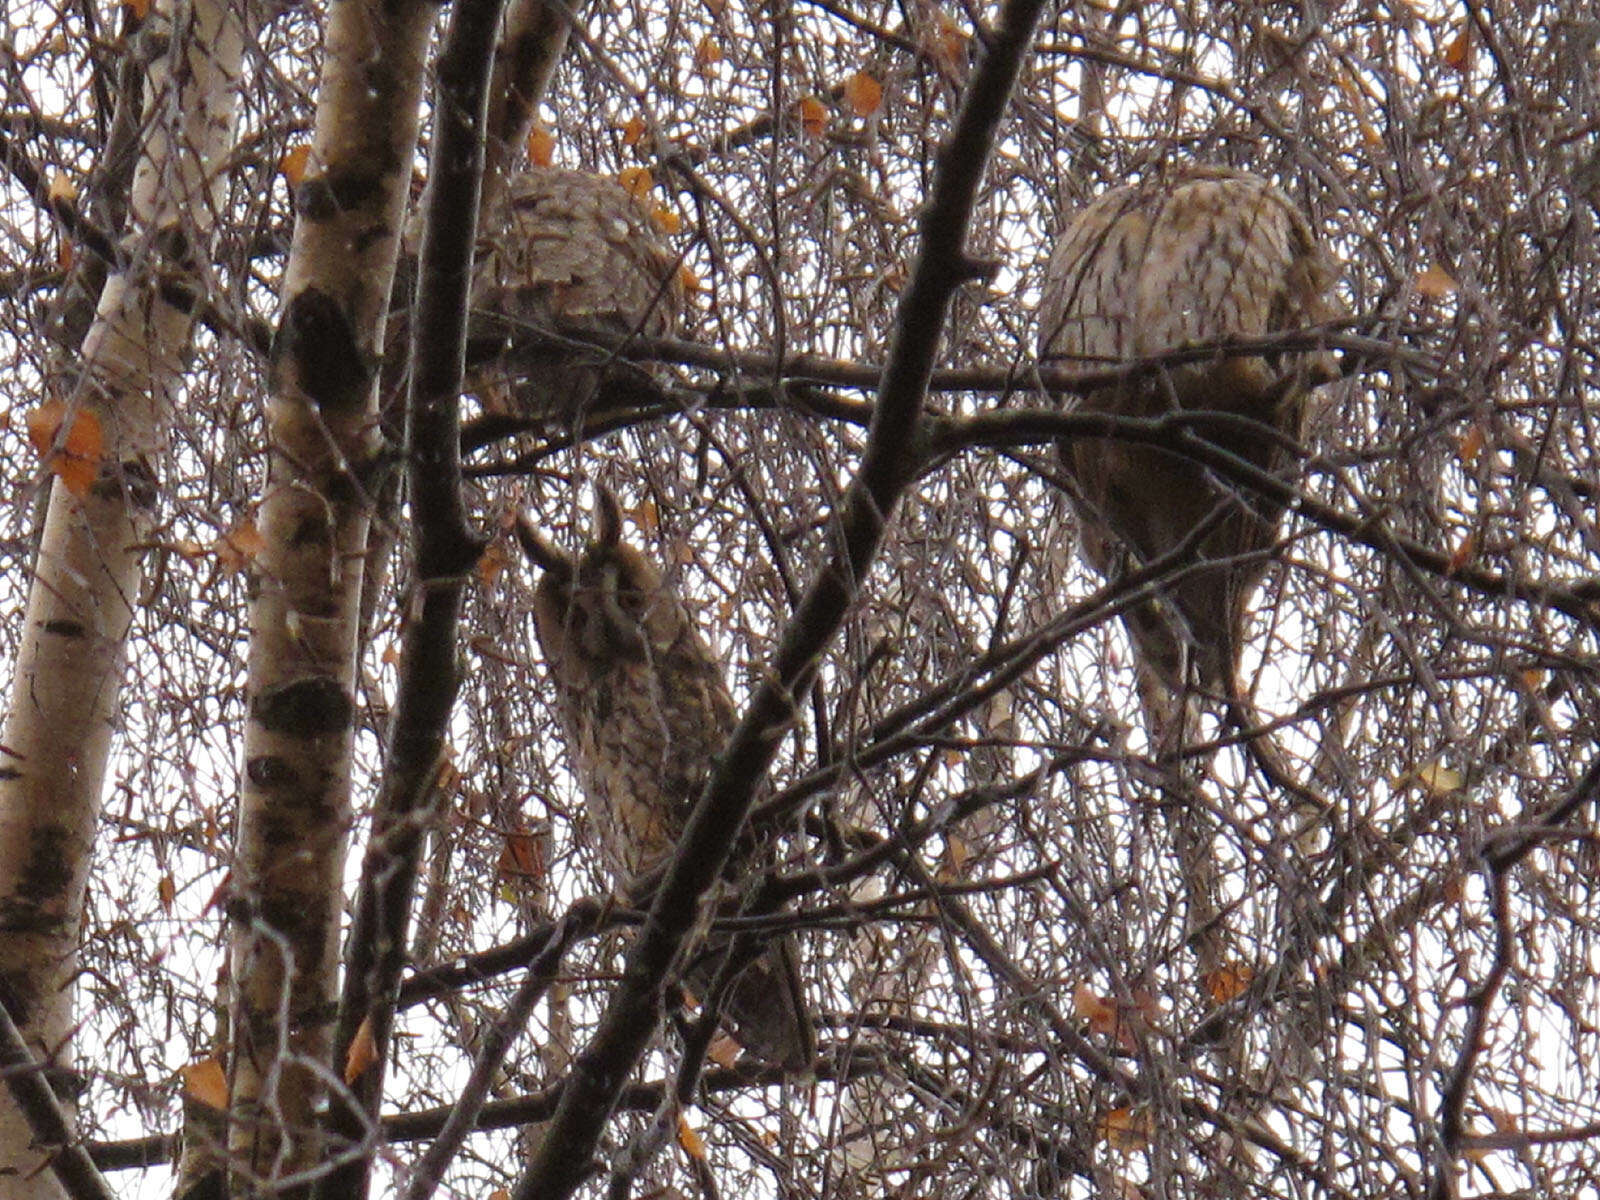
(294, 862)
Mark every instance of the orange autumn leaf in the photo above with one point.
(632, 130)
(691, 1142)
(949, 42)
(1471, 444)
(492, 563)
(42, 425)
(140, 9)
(1093, 1008)
(1125, 1130)
(646, 515)
(707, 52)
(519, 857)
(1103, 1014)
(953, 862)
(1504, 1121)
(77, 472)
(292, 166)
(166, 892)
(61, 188)
(665, 220)
(541, 146)
(1435, 283)
(1113, 1018)
(813, 116)
(205, 1082)
(1465, 551)
(363, 1052)
(688, 280)
(863, 94)
(724, 1051)
(447, 777)
(636, 181)
(1227, 982)
(75, 457)
(238, 547)
(1458, 53)
(1359, 105)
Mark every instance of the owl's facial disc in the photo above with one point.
(623, 630)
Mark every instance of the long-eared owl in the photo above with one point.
(644, 710)
(1156, 266)
(567, 252)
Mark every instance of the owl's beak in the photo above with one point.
(622, 631)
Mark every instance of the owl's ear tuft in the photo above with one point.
(540, 550)
(607, 517)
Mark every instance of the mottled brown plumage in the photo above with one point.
(568, 252)
(1153, 267)
(644, 709)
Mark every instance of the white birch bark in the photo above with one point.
(64, 695)
(295, 807)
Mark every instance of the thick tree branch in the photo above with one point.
(1058, 377)
(533, 37)
(445, 552)
(1184, 434)
(516, 1111)
(30, 1088)
(1452, 1122)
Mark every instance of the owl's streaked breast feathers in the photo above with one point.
(640, 696)
(645, 710)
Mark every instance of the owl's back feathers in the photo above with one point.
(567, 252)
(1159, 266)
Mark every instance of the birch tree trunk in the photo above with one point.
(326, 458)
(64, 694)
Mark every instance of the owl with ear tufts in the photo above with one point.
(645, 710)
(1153, 267)
(565, 254)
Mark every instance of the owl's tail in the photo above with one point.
(765, 1005)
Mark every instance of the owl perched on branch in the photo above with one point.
(644, 710)
(1154, 267)
(567, 253)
